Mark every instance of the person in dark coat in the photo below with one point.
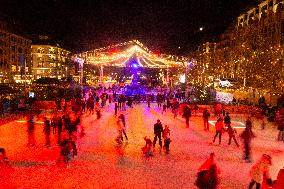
(158, 129)
(3, 152)
(60, 125)
(231, 131)
(247, 135)
(147, 149)
(31, 130)
(206, 116)
(46, 131)
(227, 119)
(186, 115)
(207, 176)
(167, 140)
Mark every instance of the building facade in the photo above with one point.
(250, 52)
(15, 56)
(50, 61)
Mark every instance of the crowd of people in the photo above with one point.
(65, 121)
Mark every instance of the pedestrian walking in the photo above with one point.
(158, 129)
(231, 131)
(186, 115)
(46, 131)
(206, 116)
(167, 139)
(260, 171)
(207, 176)
(219, 126)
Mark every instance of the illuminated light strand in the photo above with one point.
(105, 59)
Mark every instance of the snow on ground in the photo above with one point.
(103, 164)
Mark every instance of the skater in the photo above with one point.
(231, 131)
(158, 129)
(115, 108)
(54, 122)
(280, 124)
(219, 129)
(68, 149)
(98, 110)
(175, 107)
(164, 108)
(122, 118)
(260, 171)
(147, 149)
(280, 179)
(59, 125)
(167, 140)
(195, 109)
(31, 130)
(247, 135)
(46, 131)
(227, 119)
(3, 152)
(207, 176)
(186, 115)
(149, 101)
(206, 116)
(119, 138)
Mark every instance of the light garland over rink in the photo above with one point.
(145, 58)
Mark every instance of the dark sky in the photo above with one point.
(162, 25)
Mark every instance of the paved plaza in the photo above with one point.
(101, 163)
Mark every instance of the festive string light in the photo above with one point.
(103, 57)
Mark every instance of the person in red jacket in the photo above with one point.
(280, 179)
(167, 140)
(219, 126)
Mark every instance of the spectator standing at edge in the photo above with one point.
(206, 116)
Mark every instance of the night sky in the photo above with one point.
(162, 25)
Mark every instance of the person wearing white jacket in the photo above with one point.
(260, 171)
